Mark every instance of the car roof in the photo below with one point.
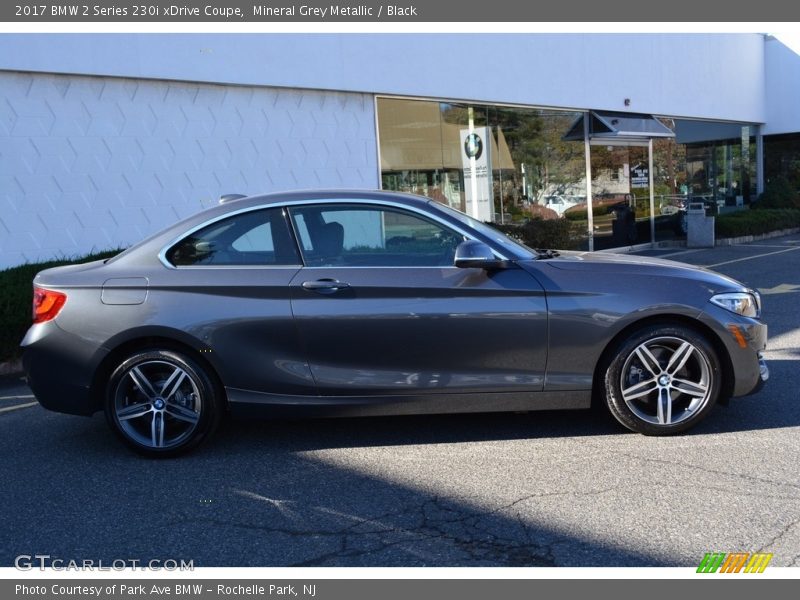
(332, 194)
(146, 248)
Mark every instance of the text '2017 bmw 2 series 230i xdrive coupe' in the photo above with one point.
(346, 303)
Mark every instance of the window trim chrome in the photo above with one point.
(162, 255)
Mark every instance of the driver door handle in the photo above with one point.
(325, 286)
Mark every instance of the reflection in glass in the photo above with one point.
(510, 164)
(782, 160)
(722, 172)
(620, 196)
(529, 169)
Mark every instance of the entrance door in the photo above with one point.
(621, 194)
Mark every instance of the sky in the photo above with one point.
(792, 40)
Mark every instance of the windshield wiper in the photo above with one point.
(542, 253)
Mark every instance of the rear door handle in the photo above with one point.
(325, 286)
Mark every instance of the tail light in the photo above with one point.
(46, 304)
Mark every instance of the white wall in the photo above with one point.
(783, 82)
(714, 76)
(96, 163)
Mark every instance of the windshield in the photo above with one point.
(514, 247)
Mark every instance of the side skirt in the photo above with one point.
(253, 404)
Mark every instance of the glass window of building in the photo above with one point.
(506, 165)
(782, 161)
(501, 164)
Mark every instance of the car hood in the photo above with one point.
(606, 263)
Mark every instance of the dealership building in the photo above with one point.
(106, 138)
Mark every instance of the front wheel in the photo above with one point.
(161, 403)
(662, 380)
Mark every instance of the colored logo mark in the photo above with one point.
(734, 562)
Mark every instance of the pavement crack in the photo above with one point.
(476, 534)
(478, 540)
(724, 490)
(784, 530)
(675, 463)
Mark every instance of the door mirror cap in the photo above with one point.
(472, 254)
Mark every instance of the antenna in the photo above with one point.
(225, 198)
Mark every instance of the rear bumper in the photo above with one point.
(59, 369)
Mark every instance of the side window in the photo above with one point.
(255, 240)
(259, 237)
(372, 236)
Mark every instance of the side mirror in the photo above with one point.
(477, 255)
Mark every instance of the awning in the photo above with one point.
(611, 126)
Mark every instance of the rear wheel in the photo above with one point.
(662, 380)
(162, 403)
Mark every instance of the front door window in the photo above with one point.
(372, 236)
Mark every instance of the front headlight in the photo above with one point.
(741, 303)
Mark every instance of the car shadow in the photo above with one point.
(315, 434)
(254, 496)
(776, 405)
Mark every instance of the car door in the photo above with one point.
(381, 310)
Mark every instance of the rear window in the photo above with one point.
(259, 237)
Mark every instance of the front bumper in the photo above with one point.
(763, 369)
(744, 339)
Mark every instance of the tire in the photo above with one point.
(161, 403)
(662, 380)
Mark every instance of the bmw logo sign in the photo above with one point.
(473, 146)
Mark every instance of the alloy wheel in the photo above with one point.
(666, 380)
(157, 404)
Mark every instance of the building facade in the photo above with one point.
(106, 138)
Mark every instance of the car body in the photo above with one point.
(558, 204)
(602, 204)
(345, 303)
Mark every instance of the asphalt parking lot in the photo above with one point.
(538, 489)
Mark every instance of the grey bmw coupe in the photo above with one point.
(345, 303)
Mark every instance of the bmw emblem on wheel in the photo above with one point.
(473, 146)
